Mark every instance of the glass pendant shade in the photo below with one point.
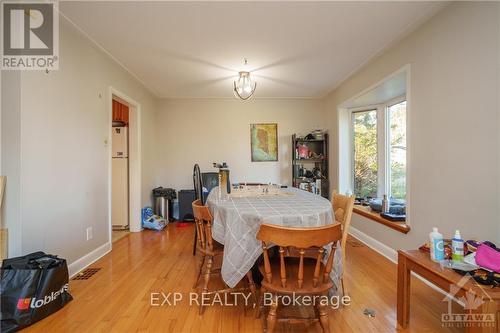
(244, 87)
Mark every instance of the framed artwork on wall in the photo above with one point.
(264, 142)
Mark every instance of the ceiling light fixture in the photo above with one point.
(244, 87)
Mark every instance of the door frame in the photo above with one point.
(134, 160)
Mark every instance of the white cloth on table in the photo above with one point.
(237, 221)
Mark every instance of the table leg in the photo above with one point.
(403, 307)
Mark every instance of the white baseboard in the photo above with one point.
(88, 259)
(375, 245)
(387, 252)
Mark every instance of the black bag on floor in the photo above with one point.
(31, 288)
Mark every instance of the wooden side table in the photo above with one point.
(481, 314)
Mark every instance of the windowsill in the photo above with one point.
(374, 216)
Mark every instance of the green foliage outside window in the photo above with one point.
(365, 153)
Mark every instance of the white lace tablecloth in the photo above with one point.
(237, 221)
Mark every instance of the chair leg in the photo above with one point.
(342, 284)
(195, 241)
(207, 279)
(198, 274)
(264, 322)
(251, 284)
(260, 303)
(323, 318)
(271, 316)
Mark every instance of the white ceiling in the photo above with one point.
(195, 49)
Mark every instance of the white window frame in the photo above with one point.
(387, 143)
(383, 144)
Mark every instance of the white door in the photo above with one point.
(119, 195)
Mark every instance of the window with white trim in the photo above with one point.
(379, 150)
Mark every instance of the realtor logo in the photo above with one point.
(30, 38)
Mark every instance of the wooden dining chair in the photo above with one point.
(198, 195)
(208, 249)
(302, 275)
(342, 208)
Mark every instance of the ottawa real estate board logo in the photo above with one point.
(30, 35)
(472, 300)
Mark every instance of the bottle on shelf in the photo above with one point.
(385, 204)
(457, 245)
(437, 245)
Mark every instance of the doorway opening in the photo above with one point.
(120, 169)
(125, 165)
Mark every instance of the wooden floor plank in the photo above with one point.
(117, 298)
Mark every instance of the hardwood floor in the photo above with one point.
(116, 235)
(117, 298)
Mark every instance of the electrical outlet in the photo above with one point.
(89, 233)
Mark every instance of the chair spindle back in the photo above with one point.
(203, 219)
(300, 239)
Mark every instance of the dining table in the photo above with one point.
(237, 217)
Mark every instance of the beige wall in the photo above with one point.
(63, 159)
(214, 130)
(10, 152)
(453, 123)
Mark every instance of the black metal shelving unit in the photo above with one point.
(308, 171)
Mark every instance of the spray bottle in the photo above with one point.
(457, 245)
